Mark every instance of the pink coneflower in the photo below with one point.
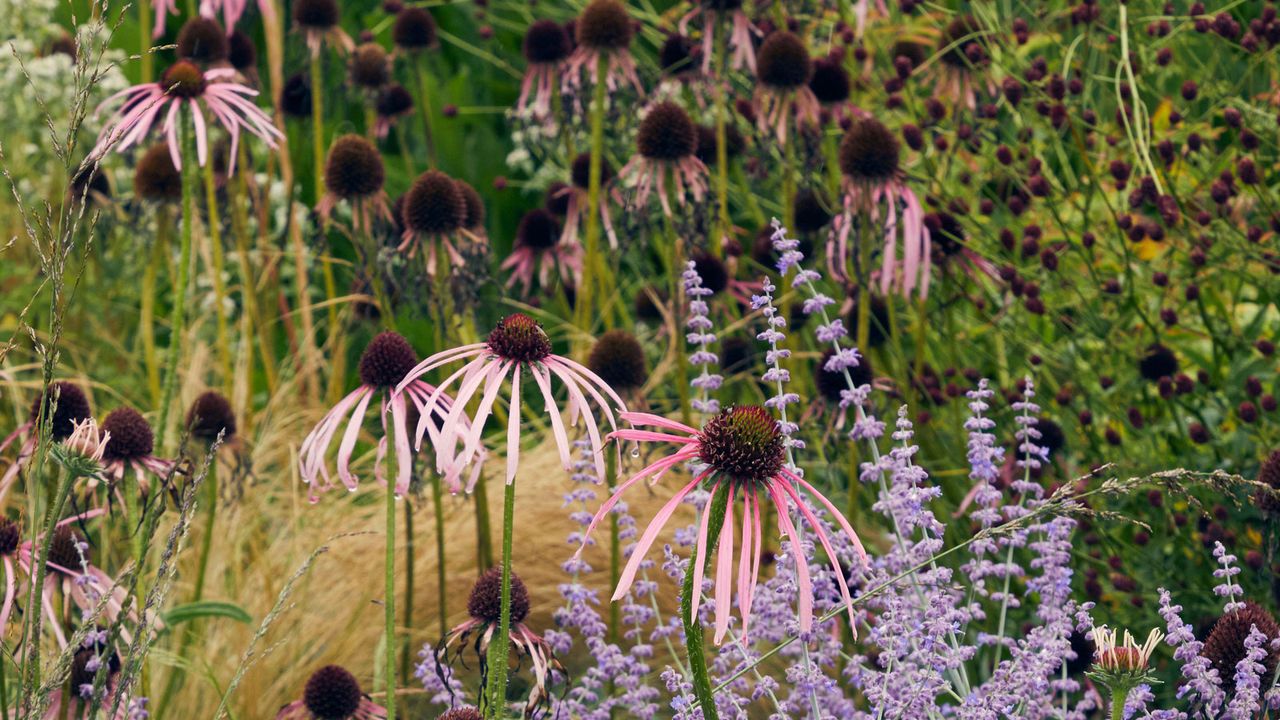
(64, 405)
(666, 144)
(539, 247)
(318, 21)
(546, 45)
(603, 31)
(163, 9)
(385, 364)
(950, 248)
(516, 345)
(84, 671)
(875, 190)
(742, 448)
(485, 608)
(354, 174)
(961, 60)
(184, 84)
(393, 102)
(69, 572)
(230, 10)
(740, 37)
(130, 450)
(434, 211)
(575, 200)
(782, 90)
(332, 693)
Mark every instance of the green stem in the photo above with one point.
(216, 256)
(591, 233)
(408, 590)
(179, 316)
(144, 40)
(390, 602)
(1117, 704)
(692, 628)
(676, 273)
(722, 148)
(424, 106)
(206, 543)
(484, 543)
(146, 320)
(437, 497)
(248, 283)
(615, 548)
(326, 265)
(32, 639)
(498, 645)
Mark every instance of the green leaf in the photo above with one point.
(202, 609)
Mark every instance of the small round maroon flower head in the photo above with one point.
(295, 96)
(319, 15)
(332, 693)
(242, 53)
(811, 211)
(831, 383)
(743, 443)
(914, 52)
(434, 205)
(368, 66)
(62, 548)
(959, 44)
(1269, 475)
(415, 29)
(354, 168)
(618, 359)
(1157, 361)
(10, 536)
(393, 101)
(485, 602)
(155, 178)
(71, 407)
(713, 272)
(538, 229)
(546, 41)
(830, 81)
(783, 61)
(676, 57)
(183, 79)
(869, 152)
(202, 40)
(580, 171)
(387, 359)
(210, 414)
(474, 218)
(462, 713)
(1051, 436)
(131, 435)
(519, 338)
(1225, 645)
(667, 133)
(604, 25)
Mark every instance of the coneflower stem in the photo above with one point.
(214, 226)
(326, 266)
(676, 272)
(390, 603)
(146, 319)
(1118, 698)
(248, 283)
(437, 499)
(722, 152)
(424, 106)
(407, 614)
(591, 234)
(179, 315)
(615, 546)
(144, 40)
(693, 628)
(497, 657)
(484, 544)
(206, 543)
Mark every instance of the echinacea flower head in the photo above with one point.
(155, 179)
(539, 248)
(618, 358)
(546, 46)
(433, 214)
(962, 60)
(666, 144)
(60, 408)
(131, 450)
(573, 198)
(385, 366)
(81, 453)
(414, 30)
(875, 191)
(332, 693)
(484, 605)
(741, 453)
(203, 41)
(1122, 666)
(1225, 645)
(741, 35)
(516, 346)
(369, 67)
(462, 713)
(211, 415)
(603, 32)
(783, 96)
(393, 102)
(318, 21)
(185, 85)
(354, 174)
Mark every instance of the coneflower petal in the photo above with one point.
(650, 534)
(724, 573)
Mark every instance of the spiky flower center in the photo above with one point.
(546, 42)
(10, 536)
(131, 435)
(618, 359)
(604, 25)
(332, 693)
(667, 133)
(485, 602)
(211, 414)
(387, 359)
(354, 169)
(434, 205)
(783, 61)
(520, 338)
(184, 80)
(743, 443)
(62, 549)
(63, 404)
(869, 152)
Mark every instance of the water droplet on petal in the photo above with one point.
(635, 451)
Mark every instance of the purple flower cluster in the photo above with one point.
(700, 336)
